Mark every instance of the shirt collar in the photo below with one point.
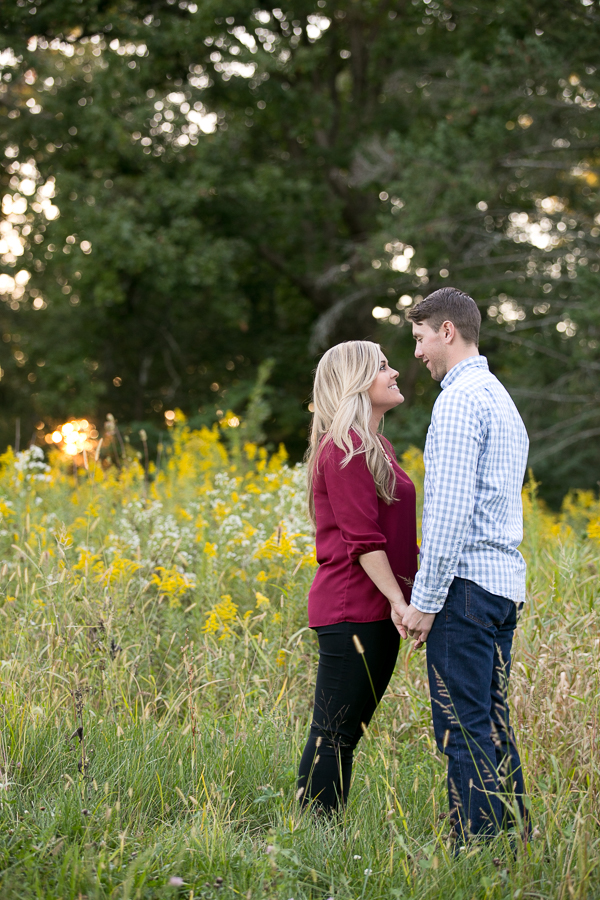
(472, 362)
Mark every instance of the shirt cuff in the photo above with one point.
(427, 601)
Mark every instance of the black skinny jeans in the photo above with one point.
(349, 687)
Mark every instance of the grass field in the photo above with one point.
(156, 675)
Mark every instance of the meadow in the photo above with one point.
(156, 673)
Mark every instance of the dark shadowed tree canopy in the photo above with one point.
(189, 190)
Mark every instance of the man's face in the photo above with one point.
(431, 348)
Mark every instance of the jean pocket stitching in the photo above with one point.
(469, 614)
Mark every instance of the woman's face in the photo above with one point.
(384, 393)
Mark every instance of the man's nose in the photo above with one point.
(418, 351)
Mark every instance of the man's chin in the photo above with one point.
(435, 373)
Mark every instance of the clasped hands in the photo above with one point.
(411, 622)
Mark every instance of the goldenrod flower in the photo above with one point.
(219, 619)
(171, 583)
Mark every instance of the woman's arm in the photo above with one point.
(377, 566)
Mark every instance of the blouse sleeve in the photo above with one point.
(353, 497)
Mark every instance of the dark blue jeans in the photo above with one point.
(468, 663)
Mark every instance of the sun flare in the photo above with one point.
(74, 437)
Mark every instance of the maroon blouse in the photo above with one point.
(352, 520)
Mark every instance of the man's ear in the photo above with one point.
(448, 331)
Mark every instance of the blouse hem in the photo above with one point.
(361, 621)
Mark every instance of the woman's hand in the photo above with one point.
(399, 607)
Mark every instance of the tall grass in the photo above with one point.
(156, 677)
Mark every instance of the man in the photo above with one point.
(471, 582)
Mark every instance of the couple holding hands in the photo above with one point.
(463, 600)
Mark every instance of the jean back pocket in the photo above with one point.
(485, 608)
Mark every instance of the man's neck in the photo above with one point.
(459, 354)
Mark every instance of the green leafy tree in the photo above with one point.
(198, 188)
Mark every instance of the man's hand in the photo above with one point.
(417, 624)
(399, 608)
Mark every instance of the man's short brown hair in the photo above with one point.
(449, 305)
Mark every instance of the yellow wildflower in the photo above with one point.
(89, 563)
(278, 459)
(220, 618)
(171, 583)
(412, 463)
(280, 658)
(121, 569)
(261, 600)
(210, 549)
(5, 510)
(80, 524)
(310, 558)
(280, 544)
(593, 530)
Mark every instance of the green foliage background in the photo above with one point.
(334, 130)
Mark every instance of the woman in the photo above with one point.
(364, 508)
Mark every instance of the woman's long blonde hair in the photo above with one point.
(342, 404)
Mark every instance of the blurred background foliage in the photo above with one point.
(198, 198)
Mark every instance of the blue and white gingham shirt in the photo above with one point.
(475, 458)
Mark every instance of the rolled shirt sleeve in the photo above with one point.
(353, 497)
(452, 451)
